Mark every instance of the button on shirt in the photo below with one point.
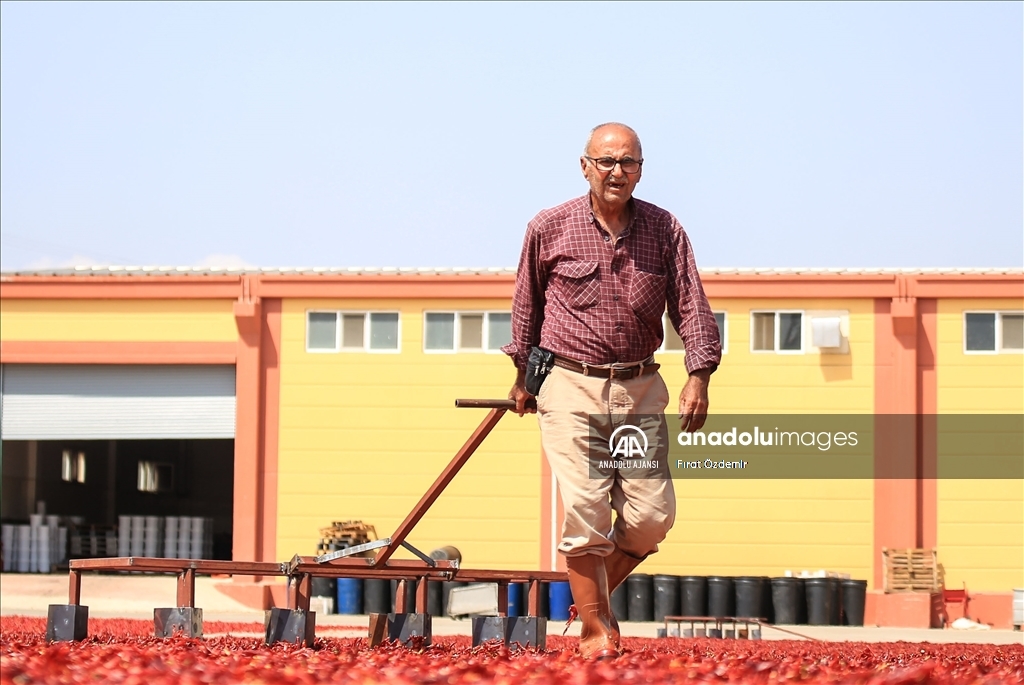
(587, 297)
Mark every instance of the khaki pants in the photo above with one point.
(571, 409)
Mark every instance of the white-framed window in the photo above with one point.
(448, 332)
(334, 331)
(155, 477)
(72, 467)
(673, 343)
(778, 331)
(322, 331)
(994, 332)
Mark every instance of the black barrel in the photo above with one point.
(835, 616)
(693, 596)
(640, 589)
(322, 587)
(524, 600)
(721, 600)
(801, 614)
(376, 596)
(786, 600)
(410, 596)
(819, 601)
(666, 596)
(767, 609)
(854, 595)
(435, 598)
(749, 596)
(620, 602)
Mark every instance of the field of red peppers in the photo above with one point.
(123, 651)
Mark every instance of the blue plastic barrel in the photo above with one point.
(515, 599)
(350, 595)
(559, 599)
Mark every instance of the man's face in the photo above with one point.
(613, 187)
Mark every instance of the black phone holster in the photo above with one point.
(538, 366)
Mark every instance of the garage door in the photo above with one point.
(117, 402)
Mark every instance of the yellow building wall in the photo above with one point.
(764, 527)
(363, 435)
(980, 526)
(118, 320)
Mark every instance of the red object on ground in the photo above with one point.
(124, 652)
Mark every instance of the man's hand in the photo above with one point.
(693, 401)
(520, 395)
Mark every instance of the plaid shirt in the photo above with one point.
(581, 296)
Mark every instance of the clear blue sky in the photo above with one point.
(831, 135)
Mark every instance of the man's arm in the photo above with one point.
(693, 401)
(691, 315)
(520, 394)
(527, 315)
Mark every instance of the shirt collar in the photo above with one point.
(597, 224)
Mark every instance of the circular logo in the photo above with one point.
(624, 442)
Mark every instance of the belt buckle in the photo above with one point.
(624, 373)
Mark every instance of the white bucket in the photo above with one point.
(198, 538)
(171, 537)
(36, 520)
(138, 537)
(9, 549)
(124, 532)
(152, 538)
(23, 543)
(184, 537)
(33, 550)
(42, 550)
(24, 561)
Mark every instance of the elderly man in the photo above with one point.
(595, 277)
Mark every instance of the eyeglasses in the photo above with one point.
(629, 166)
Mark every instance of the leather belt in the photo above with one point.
(618, 373)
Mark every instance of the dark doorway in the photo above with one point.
(196, 478)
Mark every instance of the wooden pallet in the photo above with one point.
(910, 570)
(354, 530)
(343, 534)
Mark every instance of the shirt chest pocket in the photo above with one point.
(577, 283)
(647, 294)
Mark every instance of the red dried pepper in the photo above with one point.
(124, 652)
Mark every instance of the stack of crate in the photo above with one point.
(345, 534)
(911, 570)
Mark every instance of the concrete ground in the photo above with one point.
(136, 595)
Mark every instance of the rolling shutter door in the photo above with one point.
(117, 402)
